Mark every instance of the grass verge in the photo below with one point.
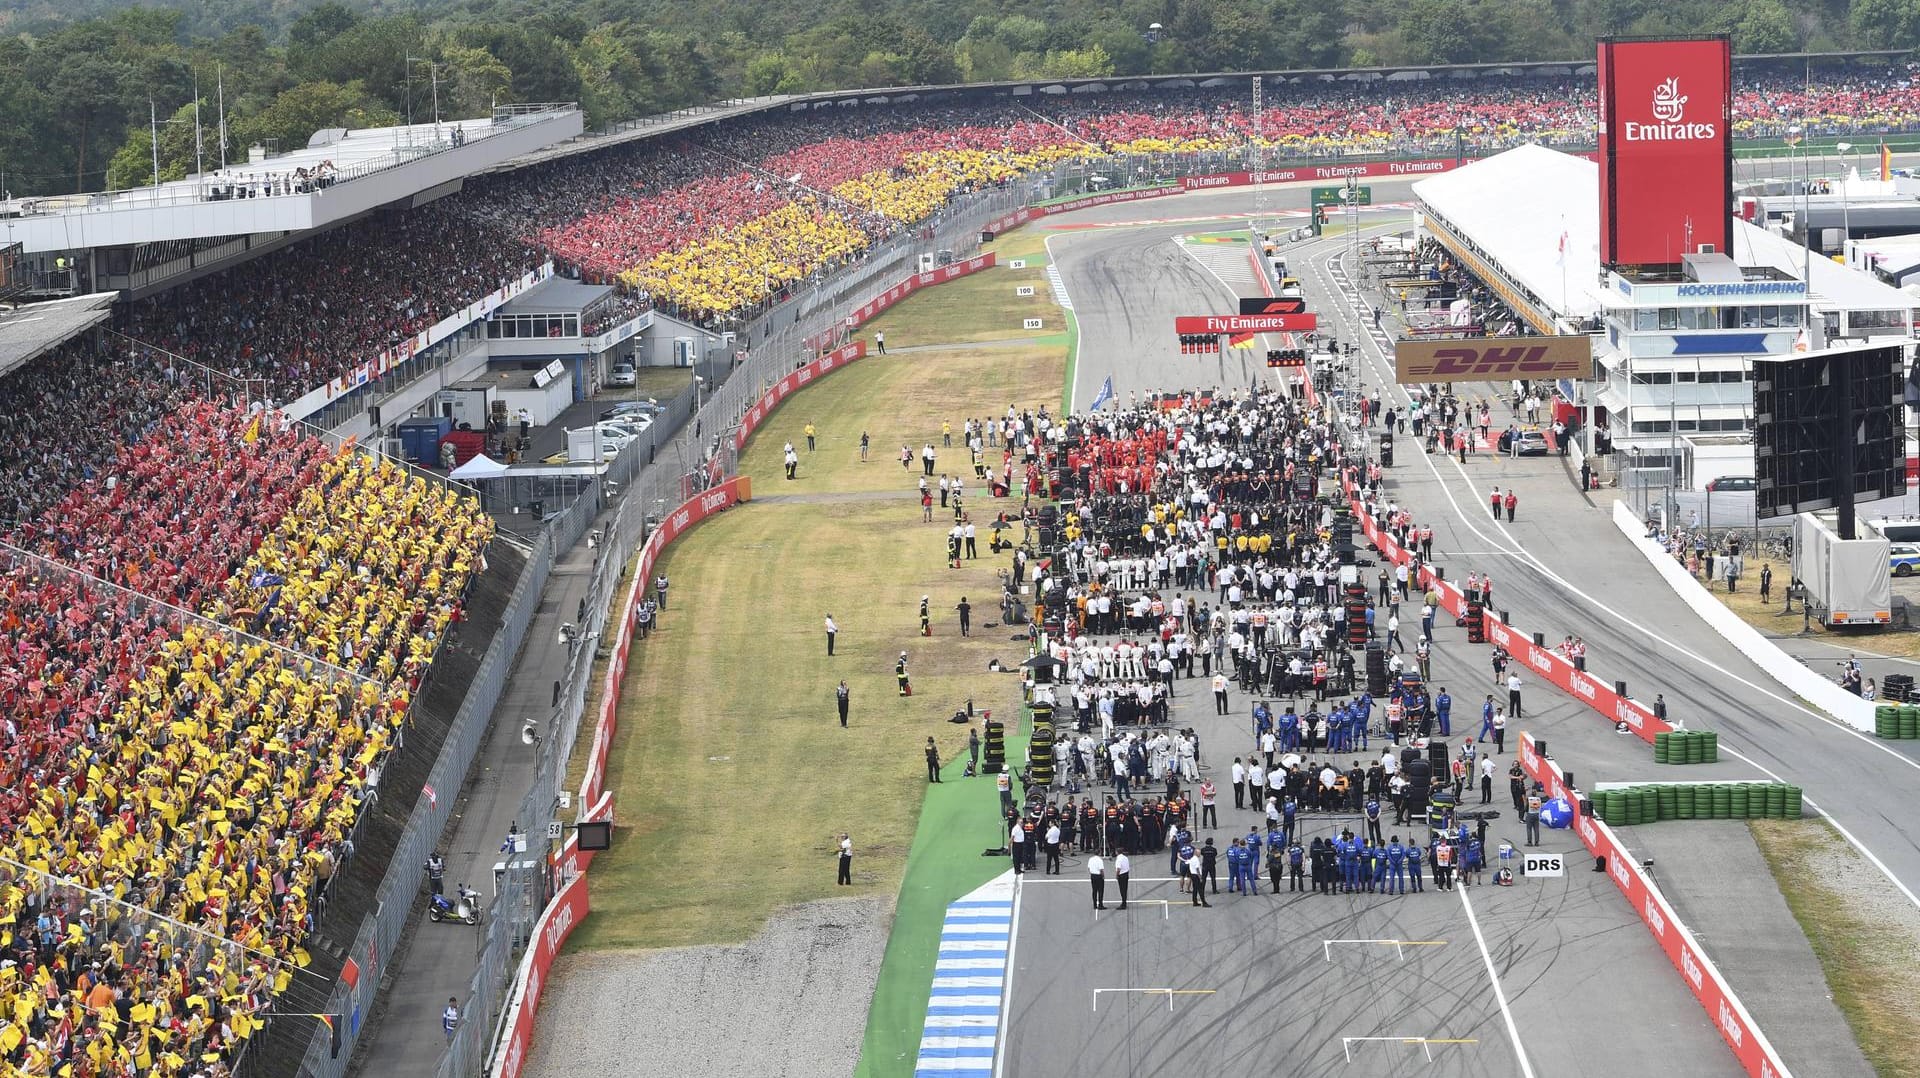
(1872, 966)
(1767, 617)
(732, 777)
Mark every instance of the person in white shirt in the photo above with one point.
(832, 631)
(1122, 867)
(1018, 846)
(1097, 875)
(1239, 784)
(1486, 779)
(1513, 695)
(1195, 869)
(1053, 849)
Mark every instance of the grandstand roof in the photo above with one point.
(1515, 206)
(35, 329)
(555, 295)
(365, 169)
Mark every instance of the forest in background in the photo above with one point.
(78, 77)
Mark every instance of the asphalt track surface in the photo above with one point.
(1561, 568)
(1255, 983)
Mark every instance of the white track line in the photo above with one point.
(1066, 305)
(1006, 986)
(1499, 994)
(1519, 552)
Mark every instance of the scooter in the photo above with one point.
(464, 910)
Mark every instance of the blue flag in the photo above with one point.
(1105, 394)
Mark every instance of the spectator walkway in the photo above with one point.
(436, 961)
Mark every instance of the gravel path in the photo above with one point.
(790, 1003)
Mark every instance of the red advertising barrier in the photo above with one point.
(1757, 1057)
(1108, 198)
(569, 907)
(550, 933)
(1354, 170)
(866, 311)
(1544, 663)
(785, 387)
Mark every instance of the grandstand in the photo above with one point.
(238, 643)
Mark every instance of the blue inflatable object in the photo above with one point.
(1557, 814)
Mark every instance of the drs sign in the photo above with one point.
(1543, 864)
(1666, 149)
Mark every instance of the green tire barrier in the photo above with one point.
(1630, 806)
(1897, 722)
(1687, 747)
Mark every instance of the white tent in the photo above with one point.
(480, 466)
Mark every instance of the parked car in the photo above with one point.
(634, 425)
(645, 407)
(622, 375)
(1733, 482)
(613, 430)
(1532, 443)
(1903, 558)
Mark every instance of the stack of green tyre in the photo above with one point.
(1686, 747)
(1723, 801)
(1631, 806)
(1909, 722)
(1886, 724)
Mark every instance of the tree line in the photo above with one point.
(82, 82)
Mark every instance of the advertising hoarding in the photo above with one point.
(1492, 359)
(1666, 149)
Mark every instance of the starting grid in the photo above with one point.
(1399, 946)
(1426, 1043)
(1168, 992)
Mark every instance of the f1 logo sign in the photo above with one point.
(1273, 305)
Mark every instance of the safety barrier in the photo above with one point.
(1782, 667)
(866, 311)
(1750, 1046)
(1108, 198)
(550, 933)
(569, 907)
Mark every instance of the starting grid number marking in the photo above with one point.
(1426, 1043)
(1400, 946)
(1168, 992)
(1165, 904)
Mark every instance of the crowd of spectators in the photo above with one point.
(299, 318)
(213, 624)
(161, 759)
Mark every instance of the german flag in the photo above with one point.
(1240, 340)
